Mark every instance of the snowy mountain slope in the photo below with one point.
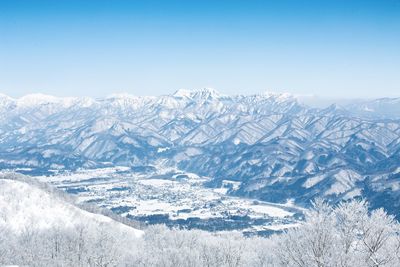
(24, 206)
(278, 148)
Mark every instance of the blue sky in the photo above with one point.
(96, 48)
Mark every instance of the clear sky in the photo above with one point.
(145, 47)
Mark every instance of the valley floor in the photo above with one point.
(174, 198)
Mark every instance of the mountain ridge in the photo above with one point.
(271, 143)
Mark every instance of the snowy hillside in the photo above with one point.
(272, 146)
(26, 207)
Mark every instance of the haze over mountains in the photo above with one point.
(278, 148)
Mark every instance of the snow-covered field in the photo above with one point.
(173, 197)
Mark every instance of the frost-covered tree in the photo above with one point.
(342, 236)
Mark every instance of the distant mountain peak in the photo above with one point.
(120, 95)
(37, 99)
(278, 95)
(204, 93)
(4, 96)
(182, 93)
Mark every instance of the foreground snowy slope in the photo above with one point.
(270, 145)
(26, 207)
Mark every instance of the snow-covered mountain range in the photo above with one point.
(275, 146)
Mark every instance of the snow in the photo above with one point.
(279, 96)
(157, 182)
(280, 227)
(167, 191)
(40, 99)
(50, 152)
(259, 139)
(24, 206)
(270, 211)
(183, 93)
(310, 182)
(83, 174)
(35, 99)
(121, 96)
(353, 193)
(344, 180)
(102, 125)
(221, 190)
(235, 184)
(201, 93)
